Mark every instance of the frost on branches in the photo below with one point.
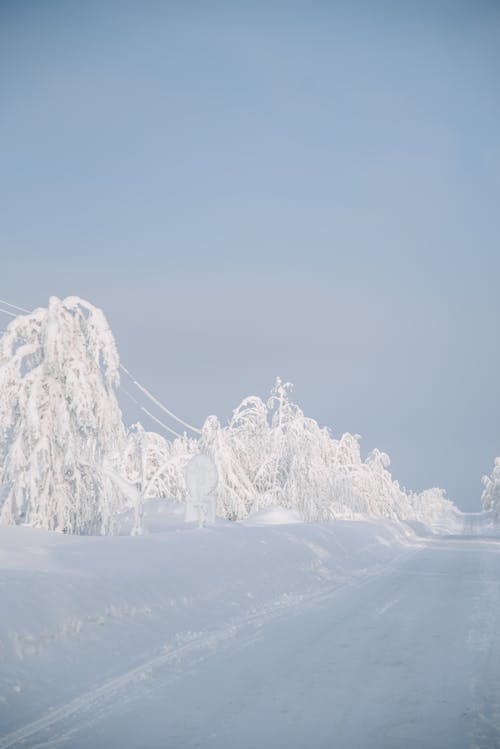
(60, 423)
(67, 462)
(491, 493)
(271, 454)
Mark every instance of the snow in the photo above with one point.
(273, 516)
(268, 634)
(326, 605)
(69, 463)
(491, 493)
(59, 419)
(201, 482)
(105, 605)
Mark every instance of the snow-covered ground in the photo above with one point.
(268, 633)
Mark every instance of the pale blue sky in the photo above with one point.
(251, 189)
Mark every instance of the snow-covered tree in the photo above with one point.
(156, 465)
(67, 463)
(60, 423)
(270, 453)
(491, 493)
(235, 491)
(432, 508)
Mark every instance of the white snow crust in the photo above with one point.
(345, 633)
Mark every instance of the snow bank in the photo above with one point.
(95, 605)
(273, 516)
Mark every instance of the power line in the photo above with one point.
(157, 402)
(143, 389)
(145, 410)
(158, 421)
(14, 306)
(6, 312)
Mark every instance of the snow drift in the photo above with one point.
(114, 610)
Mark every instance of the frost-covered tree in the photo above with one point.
(270, 453)
(235, 491)
(67, 463)
(156, 465)
(60, 423)
(432, 508)
(491, 493)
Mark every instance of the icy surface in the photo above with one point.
(344, 634)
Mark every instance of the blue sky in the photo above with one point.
(252, 189)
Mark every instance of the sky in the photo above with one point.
(251, 189)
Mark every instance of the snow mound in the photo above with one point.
(159, 515)
(273, 516)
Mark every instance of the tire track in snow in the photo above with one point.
(58, 725)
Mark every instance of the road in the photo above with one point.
(409, 659)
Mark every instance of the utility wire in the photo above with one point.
(158, 421)
(145, 410)
(144, 390)
(157, 402)
(6, 312)
(14, 306)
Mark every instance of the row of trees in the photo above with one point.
(67, 462)
(271, 454)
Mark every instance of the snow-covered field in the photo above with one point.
(267, 633)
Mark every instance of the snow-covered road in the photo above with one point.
(408, 656)
(410, 660)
